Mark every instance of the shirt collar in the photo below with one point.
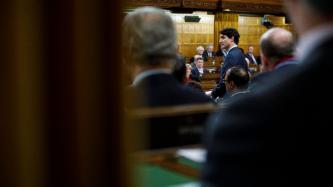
(148, 73)
(241, 92)
(234, 46)
(312, 39)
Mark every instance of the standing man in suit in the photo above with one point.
(281, 136)
(150, 42)
(277, 55)
(229, 39)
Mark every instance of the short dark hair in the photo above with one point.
(231, 32)
(239, 76)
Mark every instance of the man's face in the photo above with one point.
(251, 49)
(200, 63)
(225, 42)
(210, 48)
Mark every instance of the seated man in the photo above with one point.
(236, 82)
(209, 52)
(151, 52)
(198, 70)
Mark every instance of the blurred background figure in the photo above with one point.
(188, 72)
(152, 54)
(280, 135)
(209, 52)
(277, 56)
(179, 70)
(200, 50)
(250, 56)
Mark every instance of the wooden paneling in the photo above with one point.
(202, 4)
(159, 3)
(191, 35)
(268, 2)
(250, 30)
(254, 6)
(250, 6)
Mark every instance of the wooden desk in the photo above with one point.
(208, 85)
(167, 158)
(217, 60)
(210, 77)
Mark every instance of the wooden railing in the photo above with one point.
(163, 127)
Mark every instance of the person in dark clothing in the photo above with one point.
(282, 134)
(151, 45)
(179, 69)
(198, 70)
(229, 39)
(277, 54)
(236, 82)
(209, 52)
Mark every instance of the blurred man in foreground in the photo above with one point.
(149, 40)
(281, 136)
(277, 56)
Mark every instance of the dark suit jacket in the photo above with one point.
(280, 136)
(263, 79)
(248, 56)
(235, 57)
(205, 55)
(195, 74)
(164, 90)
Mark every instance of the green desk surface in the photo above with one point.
(154, 176)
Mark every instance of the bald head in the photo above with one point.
(276, 43)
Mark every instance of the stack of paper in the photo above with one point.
(196, 155)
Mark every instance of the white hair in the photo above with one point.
(200, 48)
(149, 34)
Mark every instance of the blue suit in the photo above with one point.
(195, 74)
(235, 57)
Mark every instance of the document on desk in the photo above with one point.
(208, 93)
(192, 184)
(196, 154)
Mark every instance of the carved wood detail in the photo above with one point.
(248, 6)
(159, 3)
(202, 4)
(266, 2)
(253, 8)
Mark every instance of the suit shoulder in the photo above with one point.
(196, 95)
